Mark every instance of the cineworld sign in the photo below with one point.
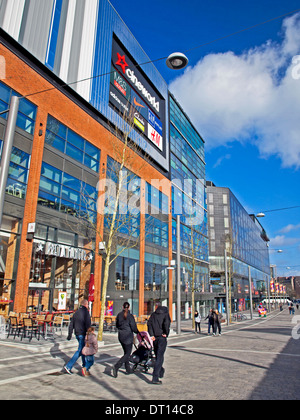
(130, 89)
(151, 99)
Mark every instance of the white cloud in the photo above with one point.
(221, 159)
(281, 240)
(289, 228)
(248, 97)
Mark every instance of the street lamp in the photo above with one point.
(7, 148)
(177, 61)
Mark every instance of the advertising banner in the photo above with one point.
(132, 94)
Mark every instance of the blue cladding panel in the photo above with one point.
(109, 23)
(52, 42)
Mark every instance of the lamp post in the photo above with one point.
(250, 292)
(227, 288)
(7, 148)
(178, 262)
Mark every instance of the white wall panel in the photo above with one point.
(65, 59)
(13, 17)
(87, 48)
(37, 27)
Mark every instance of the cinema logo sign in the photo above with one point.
(136, 82)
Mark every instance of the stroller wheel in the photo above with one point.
(145, 369)
(134, 368)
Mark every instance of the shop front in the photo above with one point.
(9, 252)
(61, 268)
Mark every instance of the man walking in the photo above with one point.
(159, 329)
(80, 323)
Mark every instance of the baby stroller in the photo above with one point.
(144, 353)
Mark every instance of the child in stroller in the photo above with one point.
(144, 353)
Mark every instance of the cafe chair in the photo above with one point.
(30, 327)
(14, 328)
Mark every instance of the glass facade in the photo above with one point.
(61, 262)
(27, 110)
(18, 172)
(71, 144)
(9, 253)
(59, 191)
(245, 240)
(247, 244)
(188, 201)
(20, 159)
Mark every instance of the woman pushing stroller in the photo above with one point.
(126, 326)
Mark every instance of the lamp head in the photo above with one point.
(177, 61)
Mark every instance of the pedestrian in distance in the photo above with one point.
(217, 322)
(89, 350)
(197, 322)
(210, 321)
(159, 329)
(126, 326)
(80, 323)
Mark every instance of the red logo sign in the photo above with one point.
(122, 62)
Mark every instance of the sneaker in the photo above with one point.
(83, 371)
(88, 373)
(68, 370)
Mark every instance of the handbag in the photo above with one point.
(85, 351)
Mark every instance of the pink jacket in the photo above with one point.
(91, 340)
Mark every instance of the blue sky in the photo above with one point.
(241, 95)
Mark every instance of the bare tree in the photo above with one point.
(118, 204)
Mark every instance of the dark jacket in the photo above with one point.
(159, 322)
(126, 328)
(80, 322)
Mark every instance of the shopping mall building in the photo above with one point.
(74, 65)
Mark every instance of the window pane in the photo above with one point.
(52, 173)
(55, 141)
(56, 127)
(91, 163)
(75, 139)
(92, 151)
(74, 153)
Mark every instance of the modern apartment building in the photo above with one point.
(232, 229)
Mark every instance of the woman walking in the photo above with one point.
(126, 326)
(197, 322)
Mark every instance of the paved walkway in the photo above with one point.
(252, 360)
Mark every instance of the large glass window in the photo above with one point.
(156, 274)
(127, 270)
(65, 193)
(64, 269)
(68, 142)
(9, 252)
(127, 220)
(17, 173)
(27, 110)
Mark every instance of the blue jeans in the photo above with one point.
(89, 362)
(77, 354)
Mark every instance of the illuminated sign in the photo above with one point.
(155, 137)
(132, 93)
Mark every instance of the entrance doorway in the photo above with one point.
(38, 298)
